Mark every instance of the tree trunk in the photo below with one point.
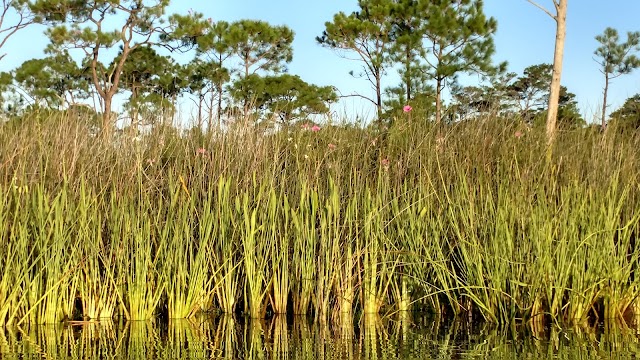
(107, 124)
(219, 111)
(200, 104)
(554, 94)
(210, 102)
(379, 96)
(219, 89)
(134, 111)
(172, 110)
(438, 101)
(408, 70)
(604, 100)
(245, 100)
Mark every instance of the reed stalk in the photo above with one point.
(256, 252)
(278, 235)
(226, 261)
(464, 219)
(329, 250)
(185, 265)
(305, 242)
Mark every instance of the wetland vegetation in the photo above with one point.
(472, 219)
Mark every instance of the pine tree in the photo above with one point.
(616, 59)
(99, 25)
(368, 34)
(458, 39)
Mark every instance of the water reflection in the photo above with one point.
(369, 337)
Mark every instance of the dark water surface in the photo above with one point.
(279, 338)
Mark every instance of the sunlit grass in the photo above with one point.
(462, 219)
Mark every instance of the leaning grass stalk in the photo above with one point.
(256, 259)
(227, 263)
(52, 289)
(137, 264)
(96, 290)
(305, 240)
(345, 284)
(278, 221)
(329, 249)
(184, 265)
(376, 271)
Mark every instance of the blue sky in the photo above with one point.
(525, 37)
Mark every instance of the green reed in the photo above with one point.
(305, 238)
(225, 259)
(256, 249)
(459, 219)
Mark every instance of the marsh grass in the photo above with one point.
(458, 219)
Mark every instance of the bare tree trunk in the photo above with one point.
(408, 69)
(200, 105)
(554, 96)
(107, 124)
(135, 123)
(219, 110)
(438, 101)
(604, 101)
(379, 96)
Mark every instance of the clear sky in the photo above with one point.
(525, 37)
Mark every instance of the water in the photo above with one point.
(279, 338)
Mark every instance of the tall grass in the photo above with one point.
(461, 219)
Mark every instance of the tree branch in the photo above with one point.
(554, 17)
(359, 96)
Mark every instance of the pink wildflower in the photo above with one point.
(332, 146)
(518, 134)
(385, 163)
(407, 108)
(315, 128)
(201, 151)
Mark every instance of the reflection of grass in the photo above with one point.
(372, 338)
(464, 219)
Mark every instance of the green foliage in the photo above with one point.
(524, 97)
(153, 80)
(368, 34)
(568, 113)
(143, 68)
(54, 81)
(408, 49)
(530, 92)
(260, 46)
(95, 26)
(429, 40)
(459, 37)
(628, 115)
(208, 72)
(285, 97)
(6, 79)
(422, 102)
(486, 100)
(205, 79)
(616, 59)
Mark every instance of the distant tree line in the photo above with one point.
(238, 70)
